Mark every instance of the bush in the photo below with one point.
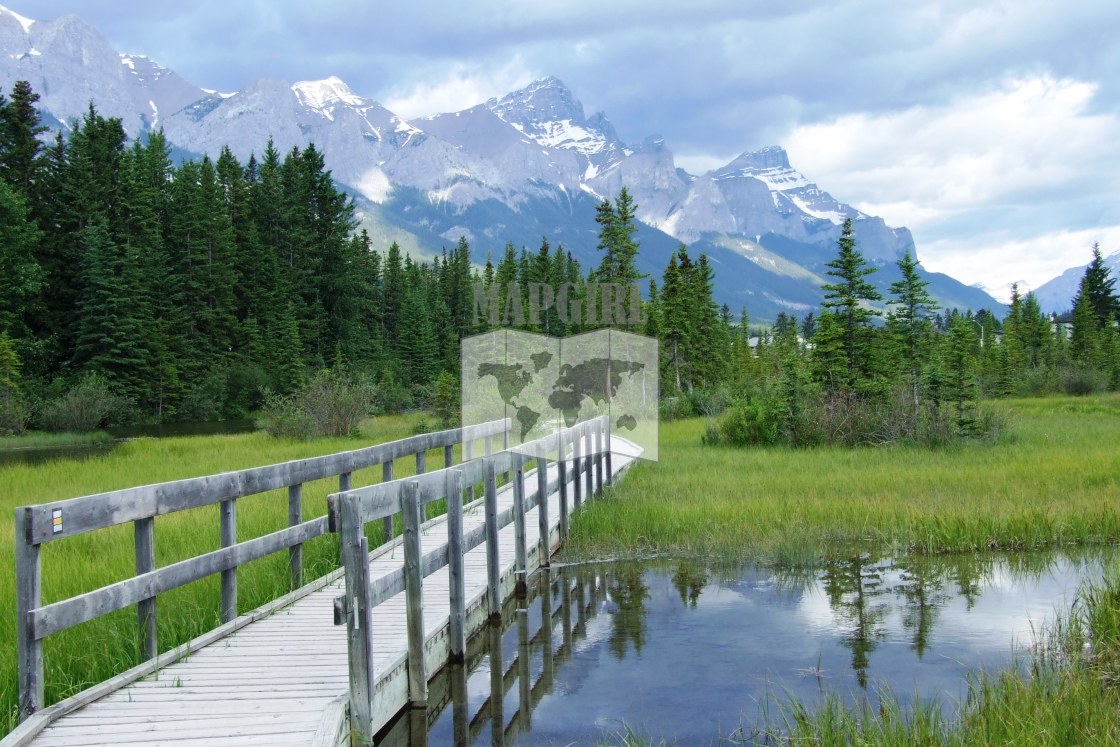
(87, 406)
(1082, 381)
(754, 422)
(332, 404)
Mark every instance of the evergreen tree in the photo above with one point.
(616, 240)
(849, 299)
(910, 322)
(1098, 288)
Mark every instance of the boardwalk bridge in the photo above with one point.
(337, 660)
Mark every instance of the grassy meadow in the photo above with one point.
(1051, 480)
(100, 648)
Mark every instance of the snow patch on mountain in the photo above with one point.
(323, 95)
(26, 23)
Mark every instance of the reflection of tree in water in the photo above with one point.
(690, 579)
(922, 589)
(852, 587)
(627, 589)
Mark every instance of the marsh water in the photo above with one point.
(692, 654)
(120, 434)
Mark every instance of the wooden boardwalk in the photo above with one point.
(281, 677)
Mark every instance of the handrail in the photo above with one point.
(350, 511)
(39, 524)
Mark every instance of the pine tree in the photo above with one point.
(20, 275)
(910, 323)
(616, 240)
(849, 299)
(1099, 288)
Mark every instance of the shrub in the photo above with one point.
(754, 422)
(1080, 381)
(332, 404)
(88, 405)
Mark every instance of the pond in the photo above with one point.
(690, 653)
(40, 454)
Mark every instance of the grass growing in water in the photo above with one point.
(96, 650)
(40, 440)
(1067, 697)
(1052, 482)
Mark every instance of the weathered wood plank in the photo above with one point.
(29, 596)
(414, 593)
(493, 568)
(101, 510)
(295, 518)
(543, 519)
(59, 616)
(354, 552)
(456, 572)
(521, 562)
(228, 532)
(144, 541)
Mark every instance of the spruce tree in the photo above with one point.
(849, 299)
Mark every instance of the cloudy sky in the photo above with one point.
(990, 129)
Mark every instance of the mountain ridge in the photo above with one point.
(513, 168)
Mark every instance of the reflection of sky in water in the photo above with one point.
(703, 670)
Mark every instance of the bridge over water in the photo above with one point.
(335, 661)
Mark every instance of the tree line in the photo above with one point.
(195, 290)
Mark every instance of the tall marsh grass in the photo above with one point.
(1051, 481)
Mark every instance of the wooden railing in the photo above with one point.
(580, 452)
(50, 522)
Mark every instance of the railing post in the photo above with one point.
(460, 716)
(228, 510)
(144, 539)
(520, 550)
(545, 552)
(577, 468)
(414, 595)
(493, 570)
(387, 476)
(599, 457)
(295, 518)
(457, 622)
(448, 456)
(354, 549)
(29, 596)
(562, 468)
(607, 451)
(421, 466)
(589, 464)
(489, 445)
(468, 451)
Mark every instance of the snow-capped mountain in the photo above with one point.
(515, 168)
(1056, 295)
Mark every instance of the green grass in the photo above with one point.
(1051, 482)
(39, 440)
(96, 650)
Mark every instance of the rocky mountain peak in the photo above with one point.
(323, 94)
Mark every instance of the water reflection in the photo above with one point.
(687, 652)
(120, 434)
